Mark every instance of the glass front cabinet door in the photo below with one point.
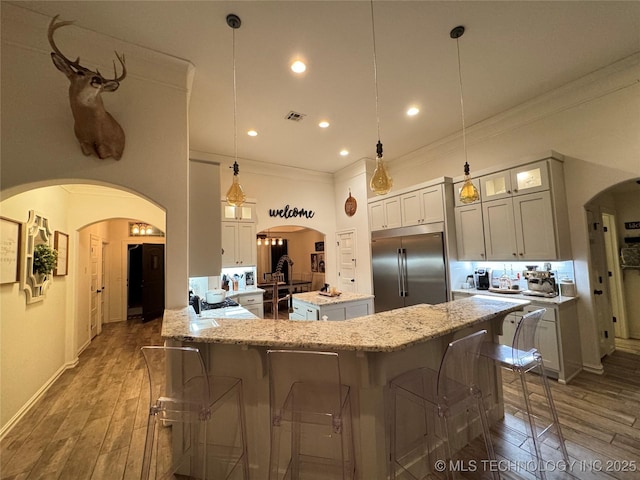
(530, 178)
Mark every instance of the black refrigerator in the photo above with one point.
(408, 269)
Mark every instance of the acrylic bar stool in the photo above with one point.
(523, 357)
(311, 428)
(189, 412)
(433, 415)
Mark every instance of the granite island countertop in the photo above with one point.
(381, 332)
(314, 298)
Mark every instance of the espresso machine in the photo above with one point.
(540, 283)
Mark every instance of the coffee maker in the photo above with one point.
(482, 278)
(540, 283)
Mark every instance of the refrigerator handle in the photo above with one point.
(405, 281)
(400, 274)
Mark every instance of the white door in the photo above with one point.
(499, 226)
(95, 262)
(534, 227)
(614, 276)
(103, 283)
(597, 274)
(347, 261)
(469, 232)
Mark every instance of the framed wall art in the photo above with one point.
(61, 244)
(10, 231)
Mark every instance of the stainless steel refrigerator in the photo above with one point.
(409, 267)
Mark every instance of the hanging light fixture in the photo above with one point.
(235, 194)
(468, 192)
(380, 182)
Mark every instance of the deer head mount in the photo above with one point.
(97, 131)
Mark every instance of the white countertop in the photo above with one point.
(381, 332)
(558, 300)
(244, 291)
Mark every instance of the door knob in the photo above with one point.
(597, 292)
(353, 279)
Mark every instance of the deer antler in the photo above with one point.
(53, 26)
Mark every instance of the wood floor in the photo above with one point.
(91, 423)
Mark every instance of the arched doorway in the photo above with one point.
(57, 328)
(613, 217)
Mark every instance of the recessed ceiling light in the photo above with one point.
(252, 133)
(344, 152)
(323, 124)
(413, 111)
(298, 66)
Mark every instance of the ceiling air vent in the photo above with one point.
(294, 116)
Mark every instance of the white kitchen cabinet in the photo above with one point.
(334, 311)
(555, 338)
(529, 178)
(385, 213)
(520, 228)
(238, 244)
(422, 206)
(252, 301)
(243, 213)
(470, 232)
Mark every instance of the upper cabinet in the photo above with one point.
(385, 213)
(238, 235)
(523, 215)
(529, 178)
(244, 213)
(422, 206)
(416, 207)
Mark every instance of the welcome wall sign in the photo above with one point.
(288, 212)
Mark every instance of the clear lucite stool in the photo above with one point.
(311, 428)
(189, 413)
(525, 360)
(434, 415)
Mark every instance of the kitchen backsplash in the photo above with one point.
(245, 276)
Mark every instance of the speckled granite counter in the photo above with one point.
(380, 332)
(314, 298)
(372, 349)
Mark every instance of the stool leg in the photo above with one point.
(243, 434)
(554, 413)
(148, 448)
(392, 432)
(532, 425)
(274, 458)
(295, 445)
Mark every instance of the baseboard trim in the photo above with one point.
(599, 370)
(34, 399)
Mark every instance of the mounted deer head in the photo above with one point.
(97, 131)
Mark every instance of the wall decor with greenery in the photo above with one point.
(39, 258)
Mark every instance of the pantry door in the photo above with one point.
(347, 261)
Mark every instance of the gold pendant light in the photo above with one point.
(468, 192)
(380, 182)
(235, 194)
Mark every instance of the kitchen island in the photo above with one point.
(373, 349)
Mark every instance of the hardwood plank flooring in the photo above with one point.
(91, 423)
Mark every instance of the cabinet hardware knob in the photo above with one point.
(515, 190)
(514, 254)
(521, 254)
(508, 191)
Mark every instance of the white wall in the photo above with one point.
(38, 144)
(274, 187)
(38, 148)
(33, 337)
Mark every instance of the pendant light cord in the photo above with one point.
(235, 100)
(375, 70)
(464, 135)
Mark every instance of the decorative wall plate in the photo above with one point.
(350, 205)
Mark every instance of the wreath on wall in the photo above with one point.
(44, 259)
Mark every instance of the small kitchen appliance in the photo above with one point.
(540, 283)
(482, 278)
